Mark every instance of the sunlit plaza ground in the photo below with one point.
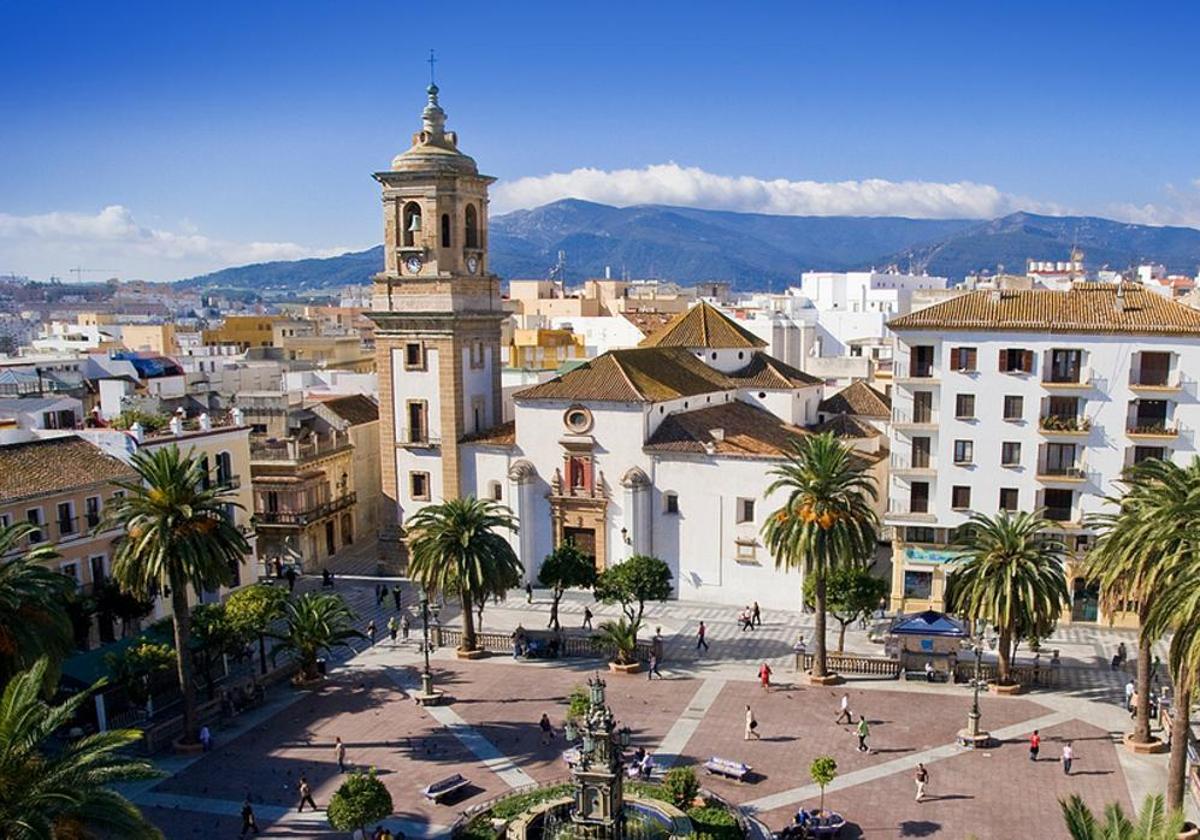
(489, 734)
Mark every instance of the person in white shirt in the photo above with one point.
(845, 711)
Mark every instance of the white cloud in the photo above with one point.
(49, 243)
(1181, 207)
(690, 186)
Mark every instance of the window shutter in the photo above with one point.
(1027, 361)
(971, 358)
(1003, 357)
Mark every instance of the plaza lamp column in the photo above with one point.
(428, 695)
(973, 736)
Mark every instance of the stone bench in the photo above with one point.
(442, 788)
(736, 770)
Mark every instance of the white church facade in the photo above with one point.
(663, 449)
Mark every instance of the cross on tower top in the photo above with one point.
(432, 61)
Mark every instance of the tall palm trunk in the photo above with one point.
(1141, 728)
(820, 664)
(182, 621)
(468, 619)
(1177, 765)
(1004, 657)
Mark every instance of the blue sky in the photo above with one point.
(172, 138)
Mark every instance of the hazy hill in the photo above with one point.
(754, 250)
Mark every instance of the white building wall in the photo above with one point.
(477, 391)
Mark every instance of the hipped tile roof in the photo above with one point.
(503, 435)
(857, 398)
(355, 409)
(768, 372)
(703, 326)
(49, 466)
(650, 374)
(746, 431)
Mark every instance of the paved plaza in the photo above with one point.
(489, 734)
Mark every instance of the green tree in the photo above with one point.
(361, 799)
(178, 536)
(826, 521)
(54, 792)
(314, 623)
(822, 771)
(1137, 553)
(213, 638)
(112, 602)
(681, 785)
(134, 668)
(1154, 823)
(34, 622)
(457, 546)
(620, 637)
(851, 592)
(1009, 572)
(252, 610)
(565, 568)
(632, 583)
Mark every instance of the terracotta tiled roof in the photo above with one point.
(54, 465)
(503, 435)
(746, 431)
(857, 398)
(648, 322)
(847, 426)
(703, 326)
(649, 374)
(1087, 307)
(355, 409)
(768, 372)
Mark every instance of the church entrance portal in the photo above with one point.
(583, 539)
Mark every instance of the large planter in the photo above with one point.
(478, 653)
(1190, 832)
(302, 682)
(1151, 747)
(1005, 689)
(182, 747)
(618, 668)
(828, 679)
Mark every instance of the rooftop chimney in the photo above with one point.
(717, 435)
(1120, 300)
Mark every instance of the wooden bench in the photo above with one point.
(442, 788)
(729, 768)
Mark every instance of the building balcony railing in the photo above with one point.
(1056, 474)
(919, 420)
(229, 482)
(299, 451)
(1155, 380)
(1059, 424)
(1156, 429)
(301, 518)
(1062, 517)
(906, 376)
(900, 465)
(417, 438)
(1080, 379)
(905, 510)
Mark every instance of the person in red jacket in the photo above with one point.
(764, 676)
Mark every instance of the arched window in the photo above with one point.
(411, 220)
(445, 230)
(472, 227)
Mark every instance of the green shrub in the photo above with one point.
(480, 826)
(681, 785)
(361, 799)
(714, 821)
(578, 703)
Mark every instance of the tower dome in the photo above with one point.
(434, 148)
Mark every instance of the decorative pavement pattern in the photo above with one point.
(489, 733)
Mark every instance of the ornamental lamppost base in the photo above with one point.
(428, 695)
(972, 737)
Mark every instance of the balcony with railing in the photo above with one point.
(1152, 372)
(296, 450)
(417, 437)
(910, 510)
(301, 517)
(921, 419)
(1052, 425)
(919, 466)
(1061, 473)
(1068, 380)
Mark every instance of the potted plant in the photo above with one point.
(620, 639)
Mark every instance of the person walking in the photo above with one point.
(863, 732)
(206, 738)
(751, 725)
(371, 631)
(249, 823)
(1035, 744)
(305, 794)
(764, 676)
(278, 565)
(291, 578)
(701, 642)
(744, 620)
(393, 629)
(547, 729)
(844, 711)
(756, 615)
(528, 593)
(653, 669)
(404, 626)
(922, 779)
(339, 752)
(1068, 756)
(1129, 689)
(587, 618)
(1133, 705)
(396, 599)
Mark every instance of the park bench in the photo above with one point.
(729, 768)
(442, 788)
(918, 675)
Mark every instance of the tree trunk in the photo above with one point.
(1004, 657)
(262, 653)
(557, 593)
(468, 620)
(1177, 765)
(182, 621)
(1141, 728)
(820, 668)
(842, 635)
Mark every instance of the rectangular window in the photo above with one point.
(918, 584)
(920, 362)
(918, 497)
(418, 483)
(1059, 505)
(746, 551)
(414, 356)
(1016, 360)
(964, 451)
(919, 534)
(418, 431)
(71, 570)
(1065, 366)
(671, 503)
(66, 518)
(1009, 498)
(92, 509)
(964, 406)
(1014, 407)
(34, 517)
(745, 510)
(963, 359)
(1147, 453)
(1060, 459)
(1010, 454)
(920, 452)
(960, 497)
(923, 406)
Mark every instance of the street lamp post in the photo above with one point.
(428, 695)
(973, 736)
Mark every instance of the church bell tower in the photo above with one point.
(437, 314)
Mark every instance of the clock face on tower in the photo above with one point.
(413, 264)
(472, 263)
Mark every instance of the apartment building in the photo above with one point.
(1031, 399)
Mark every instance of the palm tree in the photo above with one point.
(60, 793)
(34, 621)
(457, 545)
(620, 637)
(827, 520)
(1008, 572)
(315, 624)
(1154, 823)
(1135, 556)
(178, 535)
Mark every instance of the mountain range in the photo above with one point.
(753, 250)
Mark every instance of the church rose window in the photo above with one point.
(577, 419)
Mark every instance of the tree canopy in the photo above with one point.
(632, 583)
